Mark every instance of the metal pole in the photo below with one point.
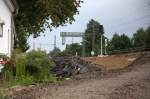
(105, 46)
(93, 41)
(101, 45)
(83, 49)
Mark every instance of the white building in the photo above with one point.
(8, 9)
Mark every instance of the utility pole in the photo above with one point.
(101, 45)
(93, 41)
(101, 29)
(83, 49)
(106, 45)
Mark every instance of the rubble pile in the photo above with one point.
(69, 66)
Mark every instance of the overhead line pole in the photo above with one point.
(93, 41)
(101, 45)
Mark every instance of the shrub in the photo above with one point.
(28, 68)
(7, 74)
(38, 65)
(20, 65)
(2, 56)
(7, 71)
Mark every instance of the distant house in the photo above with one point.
(8, 9)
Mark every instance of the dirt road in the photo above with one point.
(132, 83)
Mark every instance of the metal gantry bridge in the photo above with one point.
(64, 35)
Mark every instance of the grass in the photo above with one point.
(7, 86)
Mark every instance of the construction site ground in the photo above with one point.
(114, 61)
(126, 77)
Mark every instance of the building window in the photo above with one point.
(1, 27)
(1, 30)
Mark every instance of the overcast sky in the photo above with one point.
(121, 16)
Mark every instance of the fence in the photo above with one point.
(131, 50)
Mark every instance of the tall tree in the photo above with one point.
(36, 15)
(148, 36)
(115, 42)
(74, 48)
(120, 42)
(92, 37)
(139, 38)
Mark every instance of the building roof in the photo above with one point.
(12, 5)
(15, 4)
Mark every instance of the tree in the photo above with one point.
(74, 48)
(120, 42)
(139, 38)
(148, 36)
(55, 52)
(125, 41)
(92, 37)
(115, 42)
(36, 15)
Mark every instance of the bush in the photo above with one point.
(28, 68)
(7, 74)
(20, 65)
(2, 56)
(8, 70)
(10, 64)
(38, 65)
(16, 52)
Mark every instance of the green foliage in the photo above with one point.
(120, 42)
(148, 36)
(35, 16)
(16, 52)
(38, 65)
(20, 65)
(139, 38)
(7, 74)
(123, 42)
(29, 68)
(1, 96)
(93, 26)
(56, 52)
(115, 42)
(4, 57)
(74, 48)
(142, 37)
(9, 69)
(24, 80)
(69, 51)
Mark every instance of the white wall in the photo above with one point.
(5, 40)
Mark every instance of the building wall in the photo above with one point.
(5, 40)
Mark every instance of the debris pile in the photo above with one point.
(69, 66)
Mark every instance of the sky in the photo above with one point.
(117, 16)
